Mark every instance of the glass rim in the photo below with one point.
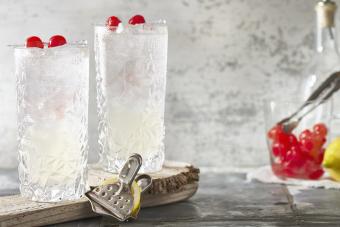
(79, 44)
(160, 23)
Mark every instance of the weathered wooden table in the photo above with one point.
(226, 199)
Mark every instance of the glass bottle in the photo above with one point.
(326, 59)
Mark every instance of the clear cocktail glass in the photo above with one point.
(52, 90)
(131, 80)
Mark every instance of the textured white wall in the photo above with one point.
(225, 57)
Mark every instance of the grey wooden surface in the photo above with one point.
(226, 199)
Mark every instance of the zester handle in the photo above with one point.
(144, 181)
(130, 169)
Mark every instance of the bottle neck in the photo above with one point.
(325, 26)
(326, 39)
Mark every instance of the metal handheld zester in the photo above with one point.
(117, 200)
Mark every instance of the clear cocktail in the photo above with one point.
(52, 90)
(131, 78)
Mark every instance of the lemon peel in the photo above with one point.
(331, 159)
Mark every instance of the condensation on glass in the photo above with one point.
(131, 79)
(52, 90)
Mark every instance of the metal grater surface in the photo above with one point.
(116, 200)
(118, 204)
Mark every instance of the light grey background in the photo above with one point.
(225, 57)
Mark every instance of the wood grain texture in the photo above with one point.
(228, 199)
(175, 182)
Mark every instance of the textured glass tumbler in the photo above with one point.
(131, 80)
(52, 91)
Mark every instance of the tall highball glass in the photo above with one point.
(131, 77)
(52, 91)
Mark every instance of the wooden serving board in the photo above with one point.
(175, 182)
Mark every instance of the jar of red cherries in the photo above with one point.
(297, 153)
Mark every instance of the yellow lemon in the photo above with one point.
(331, 160)
(135, 190)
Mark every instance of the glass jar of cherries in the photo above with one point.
(297, 153)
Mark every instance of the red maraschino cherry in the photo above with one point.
(320, 129)
(112, 22)
(137, 19)
(34, 41)
(56, 40)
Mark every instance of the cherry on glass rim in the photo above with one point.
(56, 40)
(112, 22)
(137, 19)
(34, 41)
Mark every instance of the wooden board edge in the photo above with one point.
(174, 183)
(175, 188)
(162, 199)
